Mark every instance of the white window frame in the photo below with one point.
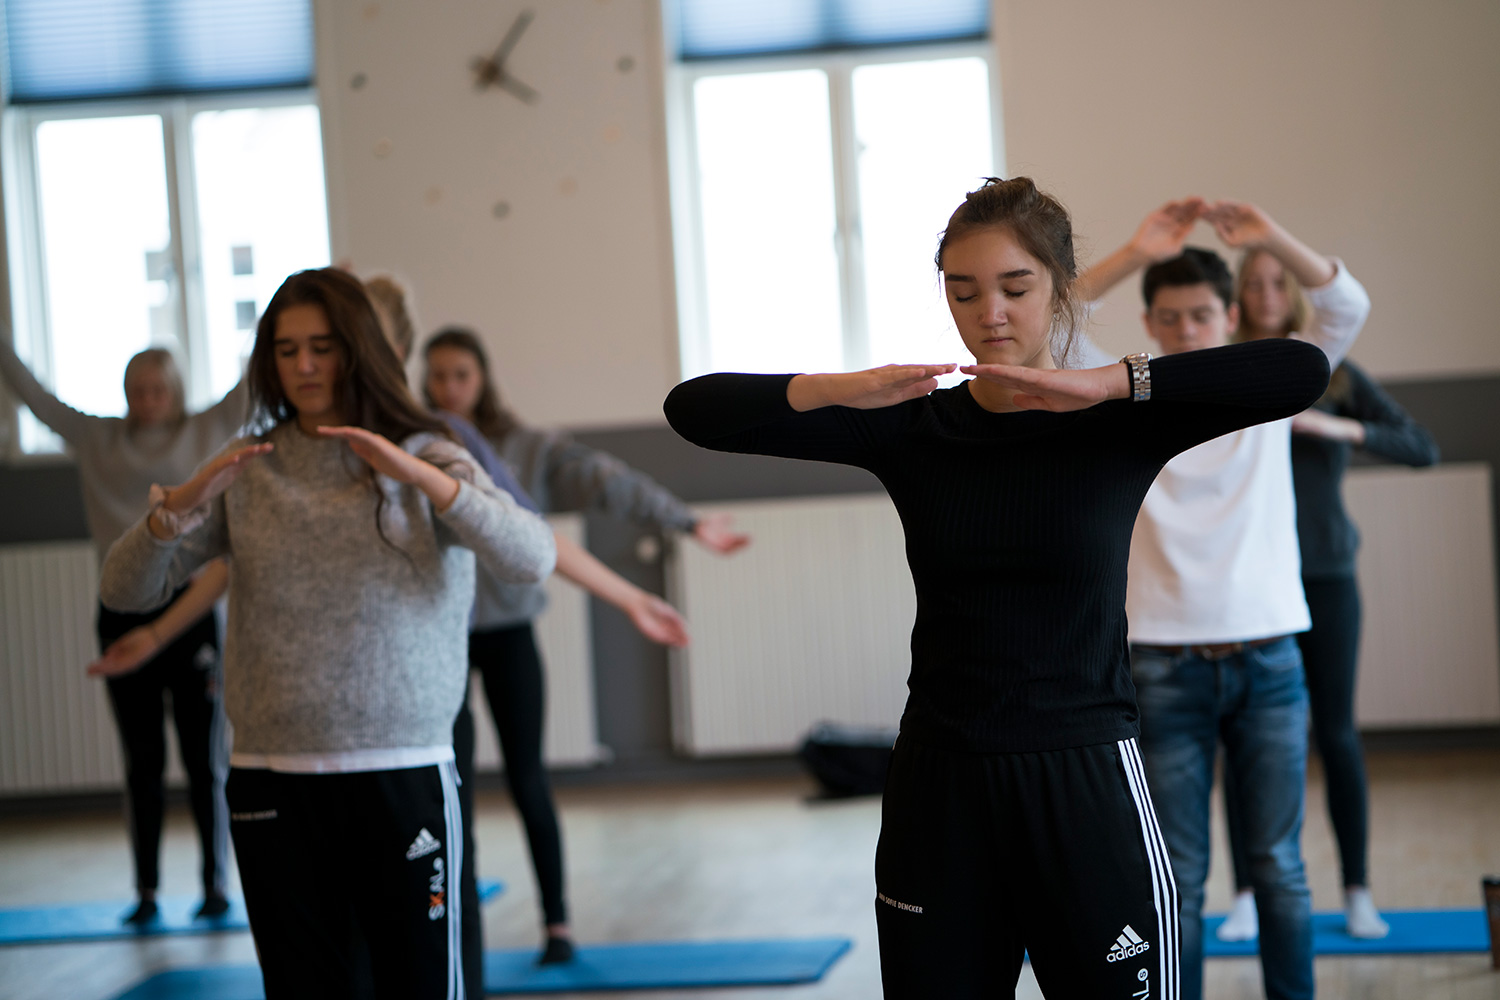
(687, 217)
(26, 277)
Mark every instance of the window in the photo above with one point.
(809, 190)
(165, 223)
(163, 170)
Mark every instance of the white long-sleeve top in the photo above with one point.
(1214, 557)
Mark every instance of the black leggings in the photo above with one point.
(189, 669)
(508, 661)
(1330, 657)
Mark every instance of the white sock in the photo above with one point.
(1361, 917)
(1242, 923)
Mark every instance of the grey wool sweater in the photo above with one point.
(340, 639)
(117, 465)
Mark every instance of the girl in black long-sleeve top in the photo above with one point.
(1016, 817)
(1354, 413)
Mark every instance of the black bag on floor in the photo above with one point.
(848, 760)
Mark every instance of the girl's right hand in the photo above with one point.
(657, 620)
(210, 481)
(1164, 232)
(866, 390)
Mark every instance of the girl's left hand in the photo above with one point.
(657, 620)
(1328, 426)
(1056, 389)
(379, 453)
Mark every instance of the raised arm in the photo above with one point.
(839, 417)
(184, 529)
(653, 617)
(1339, 303)
(1196, 396)
(1160, 236)
(70, 424)
(511, 542)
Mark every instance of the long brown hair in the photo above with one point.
(1042, 226)
(372, 390)
(490, 415)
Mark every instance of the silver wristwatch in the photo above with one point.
(1140, 375)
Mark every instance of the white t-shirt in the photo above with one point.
(1214, 557)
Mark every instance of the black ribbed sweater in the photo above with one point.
(1017, 526)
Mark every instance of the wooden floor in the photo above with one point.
(752, 858)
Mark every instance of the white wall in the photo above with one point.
(1372, 129)
(573, 289)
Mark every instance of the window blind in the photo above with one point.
(720, 29)
(78, 49)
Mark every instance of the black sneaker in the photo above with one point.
(144, 913)
(558, 950)
(214, 905)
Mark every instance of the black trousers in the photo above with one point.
(350, 880)
(984, 858)
(515, 687)
(188, 669)
(1330, 659)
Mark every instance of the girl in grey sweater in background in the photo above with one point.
(352, 525)
(165, 648)
(560, 474)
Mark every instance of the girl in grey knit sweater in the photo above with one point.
(352, 526)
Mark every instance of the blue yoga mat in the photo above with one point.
(671, 965)
(1412, 932)
(666, 965)
(101, 921)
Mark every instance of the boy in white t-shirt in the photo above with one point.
(1215, 593)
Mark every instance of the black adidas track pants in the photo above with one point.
(351, 880)
(986, 858)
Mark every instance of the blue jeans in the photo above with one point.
(1255, 703)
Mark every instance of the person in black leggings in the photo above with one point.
(174, 651)
(1016, 818)
(1354, 413)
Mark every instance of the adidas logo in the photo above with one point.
(1127, 945)
(425, 844)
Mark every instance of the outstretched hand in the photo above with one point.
(866, 390)
(211, 480)
(658, 621)
(378, 452)
(1056, 389)
(1164, 232)
(127, 653)
(715, 534)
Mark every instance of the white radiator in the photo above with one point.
(571, 737)
(56, 731)
(812, 621)
(1429, 654)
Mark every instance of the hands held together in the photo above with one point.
(1239, 224)
(1054, 389)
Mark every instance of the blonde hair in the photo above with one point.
(1296, 317)
(389, 298)
(167, 365)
